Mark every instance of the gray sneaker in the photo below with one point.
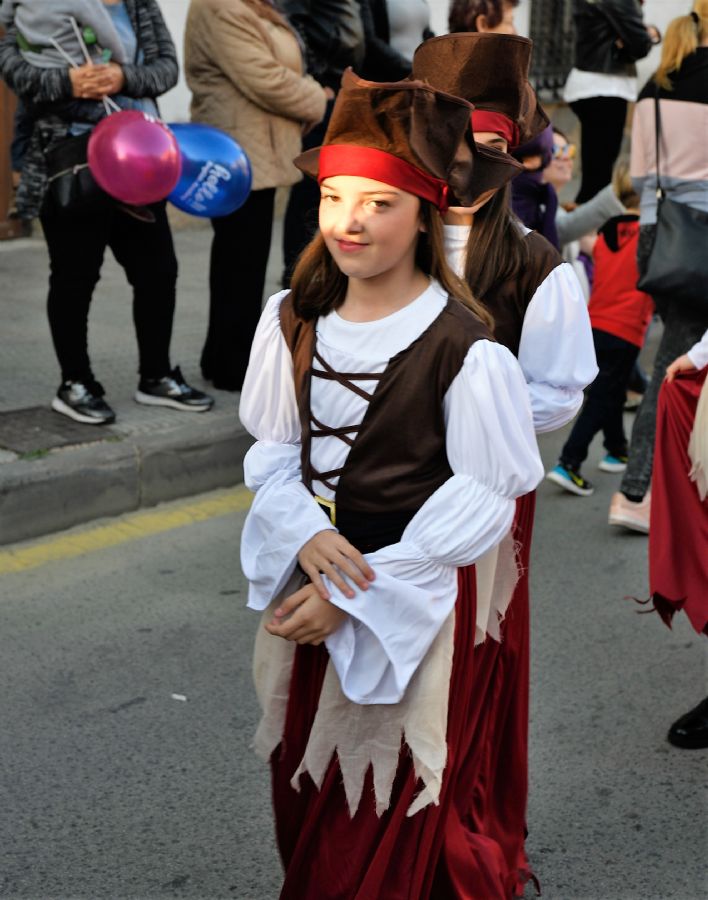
(83, 401)
(172, 390)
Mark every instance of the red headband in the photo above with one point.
(486, 120)
(367, 162)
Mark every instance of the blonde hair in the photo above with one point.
(682, 38)
(622, 184)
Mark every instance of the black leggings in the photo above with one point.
(602, 127)
(77, 244)
(239, 257)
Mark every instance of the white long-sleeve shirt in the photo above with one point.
(491, 449)
(698, 354)
(556, 350)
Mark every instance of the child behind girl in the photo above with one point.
(393, 436)
(620, 315)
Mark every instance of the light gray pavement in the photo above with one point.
(150, 454)
(113, 790)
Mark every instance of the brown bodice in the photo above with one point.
(398, 456)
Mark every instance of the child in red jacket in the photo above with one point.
(620, 315)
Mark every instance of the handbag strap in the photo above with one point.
(657, 132)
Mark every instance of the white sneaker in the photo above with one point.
(629, 514)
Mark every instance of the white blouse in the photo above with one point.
(698, 354)
(491, 449)
(556, 350)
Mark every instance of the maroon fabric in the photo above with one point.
(678, 528)
(435, 854)
(498, 772)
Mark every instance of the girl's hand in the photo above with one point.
(332, 554)
(682, 364)
(311, 619)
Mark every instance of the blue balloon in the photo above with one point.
(216, 173)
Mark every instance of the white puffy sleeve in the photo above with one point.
(493, 454)
(698, 354)
(284, 515)
(556, 351)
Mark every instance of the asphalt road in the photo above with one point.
(114, 787)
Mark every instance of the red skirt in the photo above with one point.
(470, 846)
(678, 532)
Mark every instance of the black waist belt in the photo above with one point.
(368, 531)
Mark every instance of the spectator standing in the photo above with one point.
(533, 199)
(77, 240)
(682, 85)
(610, 37)
(333, 36)
(245, 69)
(620, 315)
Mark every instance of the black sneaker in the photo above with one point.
(172, 390)
(83, 401)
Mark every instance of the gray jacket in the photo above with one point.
(46, 91)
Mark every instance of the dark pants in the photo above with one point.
(77, 244)
(239, 257)
(602, 127)
(604, 405)
(301, 215)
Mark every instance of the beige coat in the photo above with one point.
(244, 67)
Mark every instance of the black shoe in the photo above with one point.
(691, 731)
(83, 401)
(172, 390)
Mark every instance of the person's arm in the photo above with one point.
(626, 18)
(381, 62)
(696, 358)
(589, 216)
(244, 58)
(31, 83)
(556, 350)
(494, 458)
(160, 70)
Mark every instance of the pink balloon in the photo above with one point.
(134, 157)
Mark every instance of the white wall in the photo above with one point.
(175, 104)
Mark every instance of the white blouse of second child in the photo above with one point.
(556, 350)
(492, 452)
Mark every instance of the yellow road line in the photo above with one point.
(127, 528)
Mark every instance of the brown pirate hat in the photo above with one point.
(491, 72)
(404, 133)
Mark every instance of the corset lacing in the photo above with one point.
(346, 433)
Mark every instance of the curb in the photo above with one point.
(77, 484)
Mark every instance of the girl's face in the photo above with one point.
(560, 170)
(369, 227)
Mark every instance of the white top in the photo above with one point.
(492, 452)
(556, 350)
(407, 20)
(698, 354)
(583, 85)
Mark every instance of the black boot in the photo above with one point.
(691, 730)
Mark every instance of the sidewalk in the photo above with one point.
(55, 473)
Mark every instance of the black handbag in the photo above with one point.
(677, 267)
(72, 187)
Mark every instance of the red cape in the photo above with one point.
(678, 531)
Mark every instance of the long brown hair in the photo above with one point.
(682, 38)
(496, 249)
(318, 285)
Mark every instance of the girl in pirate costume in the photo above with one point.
(393, 438)
(540, 315)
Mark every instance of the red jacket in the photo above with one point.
(616, 306)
